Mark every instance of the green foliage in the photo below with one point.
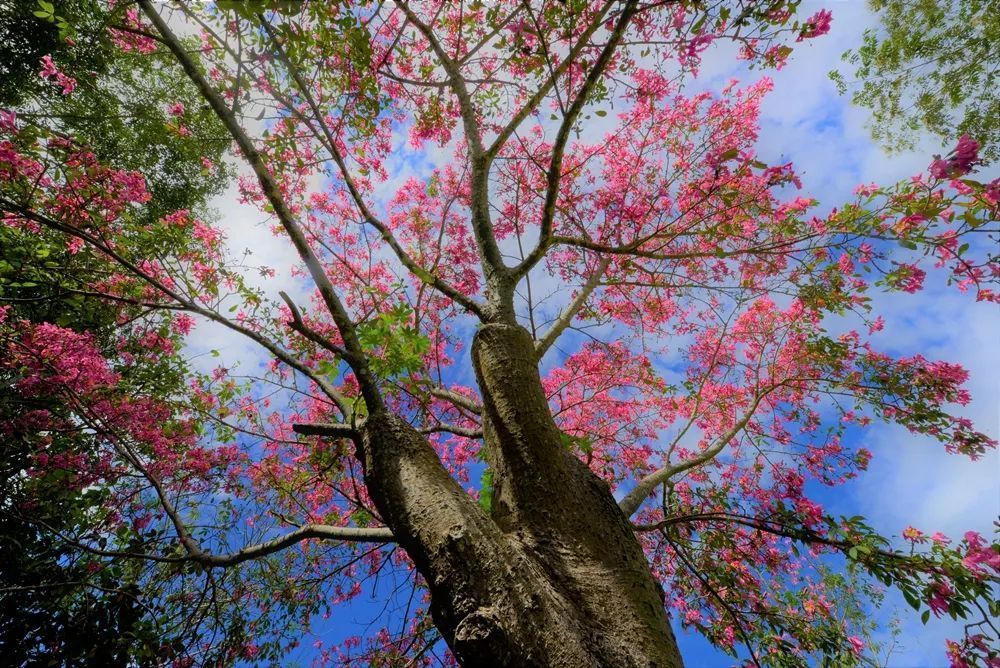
(398, 344)
(62, 607)
(486, 490)
(930, 67)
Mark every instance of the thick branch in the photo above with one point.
(457, 399)
(326, 429)
(554, 175)
(453, 429)
(356, 357)
(309, 531)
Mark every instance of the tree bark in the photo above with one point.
(554, 576)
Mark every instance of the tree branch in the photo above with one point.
(457, 399)
(489, 252)
(554, 175)
(565, 318)
(326, 429)
(355, 357)
(453, 429)
(306, 532)
(188, 305)
(543, 90)
(366, 213)
(631, 502)
(299, 325)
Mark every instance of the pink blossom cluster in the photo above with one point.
(816, 25)
(50, 71)
(960, 161)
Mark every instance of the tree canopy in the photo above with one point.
(562, 355)
(929, 67)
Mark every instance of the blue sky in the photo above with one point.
(911, 479)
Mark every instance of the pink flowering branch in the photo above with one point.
(630, 502)
(492, 261)
(554, 174)
(330, 142)
(529, 107)
(191, 546)
(186, 303)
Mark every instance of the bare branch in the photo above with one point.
(326, 429)
(309, 531)
(457, 399)
(453, 429)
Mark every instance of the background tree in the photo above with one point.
(648, 445)
(61, 608)
(929, 67)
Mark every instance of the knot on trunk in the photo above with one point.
(480, 634)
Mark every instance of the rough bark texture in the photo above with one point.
(555, 577)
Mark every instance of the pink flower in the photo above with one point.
(176, 109)
(816, 25)
(963, 158)
(939, 599)
(911, 278)
(8, 120)
(980, 555)
(68, 83)
(913, 535)
(857, 645)
(48, 67)
(966, 153)
(50, 70)
(182, 324)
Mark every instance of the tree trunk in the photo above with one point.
(555, 577)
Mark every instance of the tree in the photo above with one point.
(929, 68)
(539, 504)
(59, 607)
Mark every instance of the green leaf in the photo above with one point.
(729, 155)
(486, 490)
